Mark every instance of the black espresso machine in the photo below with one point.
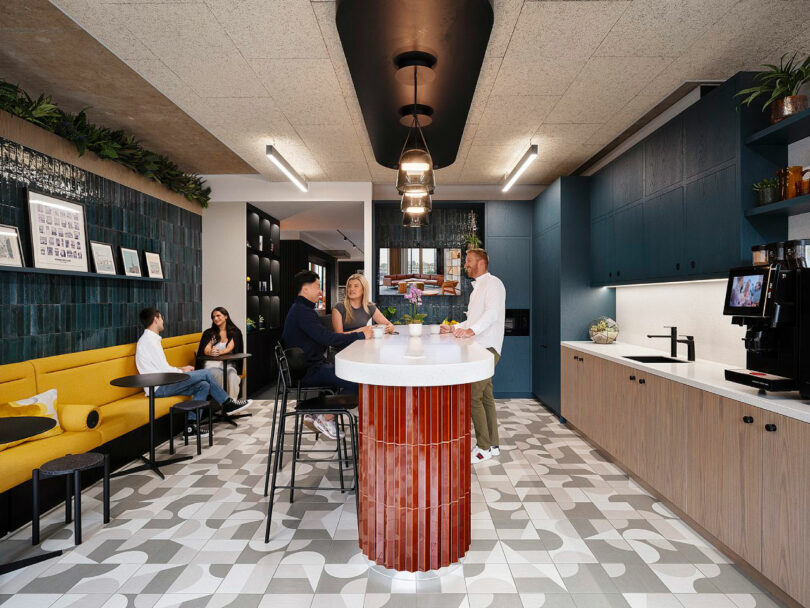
(773, 303)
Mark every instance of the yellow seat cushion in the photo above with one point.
(38, 406)
(129, 413)
(17, 381)
(18, 462)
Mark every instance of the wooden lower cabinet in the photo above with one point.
(786, 504)
(724, 471)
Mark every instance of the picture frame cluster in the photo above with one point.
(58, 241)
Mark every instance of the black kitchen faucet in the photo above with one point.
(673, 342)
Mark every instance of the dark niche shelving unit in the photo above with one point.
(263, 266)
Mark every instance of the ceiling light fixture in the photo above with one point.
(415, 170)
(416, 205)
(524, 163)
(285, 167)
(345, 238)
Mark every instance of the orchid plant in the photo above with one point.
(414, 296)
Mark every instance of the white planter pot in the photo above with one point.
(415, 329)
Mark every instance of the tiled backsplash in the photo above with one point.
(48, 314)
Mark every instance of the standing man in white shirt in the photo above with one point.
(150, 359)
(486, 314)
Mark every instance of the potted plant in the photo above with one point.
(472, 240)
(781, 85)
(251, 324)
(768, 190)
(415, 318)
(389, 312)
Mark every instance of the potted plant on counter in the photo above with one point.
(781, 85)
(768, 190)
(415, 318)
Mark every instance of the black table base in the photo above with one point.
(152, 465)
(28, 561)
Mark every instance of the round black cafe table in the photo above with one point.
(224, 416)
(150, 381)
(16, 429)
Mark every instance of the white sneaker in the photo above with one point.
(479, 455)
(495, 450)
(309, 422)
(327, 428)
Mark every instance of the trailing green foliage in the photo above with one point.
(116, 145)
(778, 81)
(768, 182)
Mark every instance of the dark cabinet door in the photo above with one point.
(602, 271)
(709, 132)
(663, 235)
(663, 157)
(628, 233)
(601, 193)
(712, 223)
(628, 177)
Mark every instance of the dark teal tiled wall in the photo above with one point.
(42, 314)
(448, 227)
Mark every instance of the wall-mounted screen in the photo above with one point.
(436, 271)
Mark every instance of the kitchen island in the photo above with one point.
(414, 452)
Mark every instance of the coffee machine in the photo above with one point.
(773, 303)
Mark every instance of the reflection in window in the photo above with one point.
(321, 272)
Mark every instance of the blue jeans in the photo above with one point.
(199, 385)
(324, 375)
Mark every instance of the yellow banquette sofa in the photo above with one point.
(82, 382)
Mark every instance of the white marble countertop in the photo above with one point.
(399, 360)
(705, 375)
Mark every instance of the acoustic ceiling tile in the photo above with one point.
(226, 75)
(506, 14)
(486, 78)
(536, 76)
(567, 132)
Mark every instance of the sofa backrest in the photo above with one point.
(84, 377)
(17, 381)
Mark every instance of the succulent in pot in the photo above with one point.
(768, 190)
(780, 84)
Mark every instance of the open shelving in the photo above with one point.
(787, 207)
(785, 132)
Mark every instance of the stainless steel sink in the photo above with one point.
(653, 359)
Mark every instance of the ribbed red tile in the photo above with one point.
(414, 478)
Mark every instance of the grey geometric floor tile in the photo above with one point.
(554, 525)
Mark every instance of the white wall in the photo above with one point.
(696, 308)
(224, 264)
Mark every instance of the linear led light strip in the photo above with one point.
(285, 168)
(524, 163)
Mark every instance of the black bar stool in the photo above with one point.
(282, 391)
(186, 407)
(337, 405)
(71, 467)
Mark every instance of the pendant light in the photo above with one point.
(416, 203)
(415, 171)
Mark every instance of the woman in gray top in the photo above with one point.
(356, 311)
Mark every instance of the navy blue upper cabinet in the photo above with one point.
(663, 157)
(602, 271)
(509, 218)
(710, 131)
(713, 219)
(629, 254)
(510, 261)
(628, 177)
(664, 234)
(601, 193)
(547, 211)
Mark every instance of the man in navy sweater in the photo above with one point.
(303, 329)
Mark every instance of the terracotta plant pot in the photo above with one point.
(787, 106)
(768, 196)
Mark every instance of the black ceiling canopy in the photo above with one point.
(375, 32)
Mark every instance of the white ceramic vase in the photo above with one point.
(415, 329)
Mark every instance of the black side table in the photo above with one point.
(224, 359)
(15, 429)
(150, 381)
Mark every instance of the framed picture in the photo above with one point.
(58, 232)
(10, 247)
(154, 268)
(103, 258)
(131, 261)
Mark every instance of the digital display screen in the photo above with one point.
(745, 291)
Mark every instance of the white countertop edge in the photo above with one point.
(704, 375)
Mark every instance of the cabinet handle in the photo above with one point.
(632, 377)
(642, 381)
(576, 358)
(692, 264)
(678, 266)
(618, 273)
(748, 419)
(771, 428)
(610, 274)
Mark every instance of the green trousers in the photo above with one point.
(482, 405)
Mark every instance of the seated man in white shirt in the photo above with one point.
(150, 359)
(486, 313)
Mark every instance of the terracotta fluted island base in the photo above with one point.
(414, 476)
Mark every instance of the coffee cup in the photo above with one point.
(435, 329)
(378, 332)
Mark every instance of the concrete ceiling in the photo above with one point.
(43, 51)
(567, 75)
(318, 222)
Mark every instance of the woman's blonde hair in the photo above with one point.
(366, 297)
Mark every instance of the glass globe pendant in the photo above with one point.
(416, 203)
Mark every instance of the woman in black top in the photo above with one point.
(223, 337)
